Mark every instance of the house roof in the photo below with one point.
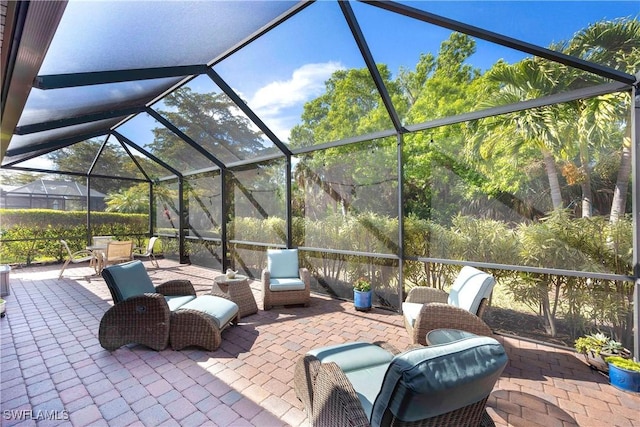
(54, 188)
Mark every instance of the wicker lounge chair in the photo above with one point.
(426, 309)
(283, 283)
(157, 316)
(363, 384)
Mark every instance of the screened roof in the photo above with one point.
(199, 85)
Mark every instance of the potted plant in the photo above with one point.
(595, 347)
(624, 373)
(362, 294)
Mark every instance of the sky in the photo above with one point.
(288, 66)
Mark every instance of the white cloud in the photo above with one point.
(280, 103)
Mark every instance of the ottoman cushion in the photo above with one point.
(220, 309)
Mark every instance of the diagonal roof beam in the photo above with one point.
(371, 63)
(500, 39)
(153, 113)
(54, 144)
(87, 118)
(59, 81)
(246, 110)
(32, 26)
(124, 139)
(125, 147)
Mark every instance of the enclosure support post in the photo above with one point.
(182, 222)
(289, 203)
(225, 216)
(152, 216)
(400, 222)
(88, 209)
(635, 138)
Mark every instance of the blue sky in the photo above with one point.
(288, 66)
(299, 65)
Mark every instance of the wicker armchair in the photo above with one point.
(283, 283)
(362, 384)
(157, 316)
(426, 309)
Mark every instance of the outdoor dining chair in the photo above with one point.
(77, 257)
(117, 252)
(147, 252)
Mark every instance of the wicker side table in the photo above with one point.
(239, 292)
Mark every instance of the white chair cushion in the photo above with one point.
(282, 263)
(410, 311)
(469, 288)
(277, 285)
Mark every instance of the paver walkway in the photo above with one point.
(54, 371)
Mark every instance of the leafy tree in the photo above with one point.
(131, 200)
(332, 178)
(510, 133)
(79, 158)
(211, 120)
(615, 44)
(449, 86)
(9, 177)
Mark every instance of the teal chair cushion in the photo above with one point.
(430, 381)
(286, 284)
(176, 301)
(127, 280)
(220, 309)
(469, 288)
(282, 263)
(353, 356)
(364, 364)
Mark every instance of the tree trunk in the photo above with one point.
(554, 183)
(619, 201)
(585, 185)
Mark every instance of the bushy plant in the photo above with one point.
(623, 363)
(362, 284)
(600, 343)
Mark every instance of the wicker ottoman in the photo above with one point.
(201, 321)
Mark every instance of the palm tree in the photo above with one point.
(527, 79)
(615, 44)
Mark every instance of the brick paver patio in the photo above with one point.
(54, 371)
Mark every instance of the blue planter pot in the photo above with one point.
(624, 379)
(362, 300)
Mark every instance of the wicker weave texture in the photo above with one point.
(237, 291)
(143, 320)
(176, 287)
(330, 400)
(444, 316)
(271, 298)
(192, 327)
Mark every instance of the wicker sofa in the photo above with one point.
(158, 316)
(364, 384)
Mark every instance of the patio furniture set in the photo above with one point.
(105, 250)
(444, 378)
